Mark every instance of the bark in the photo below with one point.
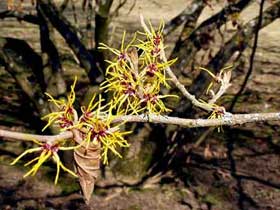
(239, 42)
(52, 65)
(102, 20)
(20, 16)
(187, 15)
(68, 32)
(228, 119)
(25, 66)
(195, 41)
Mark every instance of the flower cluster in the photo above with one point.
(135, 77)
(137, 73)
(94, 126)
(66, 116)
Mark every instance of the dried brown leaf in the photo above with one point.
(87, 161)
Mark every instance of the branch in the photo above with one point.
(20, 16)
(239, 42)
(251, 57)
(89, 28)
(32, 137)
(115, 13)
(102, 21)
(68, 32)
(182, 88)
(23, 63)
(192, 44)
(223, 79)
(54, 79)
(228, 119)
(187, 15)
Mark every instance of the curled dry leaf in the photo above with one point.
(87, 161)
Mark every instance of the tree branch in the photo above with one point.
(251, 63)
(25, 66)
(55, 82)
(192, 44)
(174, 78)
(102, 20)
(20, 16)
(228, 119)
(239, 42)
(32, 137)
(87, 61)
(182, 88)
(115, 13)
(187, 15)
(242, 38)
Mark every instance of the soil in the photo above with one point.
(238, 168)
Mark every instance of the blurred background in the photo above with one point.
(45, 44)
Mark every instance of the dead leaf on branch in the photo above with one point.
(87, 161)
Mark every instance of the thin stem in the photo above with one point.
(182, 88)
(32, 137)
(228, 119)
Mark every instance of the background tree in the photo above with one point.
(67, 40)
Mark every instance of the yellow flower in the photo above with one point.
(46, 151)
(122, 60)
(136, 76)
(95, 126)
(124, 89)
(93, 109)
(153, 104)
(67, 115)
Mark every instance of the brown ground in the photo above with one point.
(241, 172)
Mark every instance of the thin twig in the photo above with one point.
(182, 88)
(225, 84)
(32, 137)
(115, 13)
(228, 119)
